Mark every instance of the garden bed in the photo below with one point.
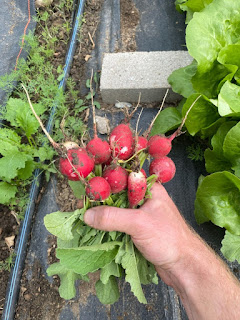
(101, 32)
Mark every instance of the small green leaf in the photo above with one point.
(88, 83)
(7, 192)
(44, 153)
(10, 165)
(111, 269)
(168, 119)
(26, 172)
(89, 95)
(60, 223)
(229, 99)
(231, 246)
(78, 188)
(107, 293)
(67, 288)
(97, 104)
(10, 141)
(60, 77)
(59, 69)
(79, 103)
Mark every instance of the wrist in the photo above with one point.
(206, 286)
(191, 256)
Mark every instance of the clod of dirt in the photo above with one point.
(121, 105)
(43, 3)
(103, 125)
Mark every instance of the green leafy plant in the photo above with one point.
(212, 38)
(8, 262)
(23, 147)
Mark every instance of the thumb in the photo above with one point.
(114, 219)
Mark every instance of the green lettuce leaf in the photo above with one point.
(231, 145)
(210, 82)
(218, 199)
(230, 55)
(229, 100)
(215, 159)
(211, 30)
(180, 80)
(209, 131)
(231, 247)
(191, 6)
(202, 114)
(168, 119)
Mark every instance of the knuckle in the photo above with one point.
(104, 218)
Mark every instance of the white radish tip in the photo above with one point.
(70, 145)
(137, 175)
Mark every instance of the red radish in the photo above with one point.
(159, 146)
(141, 143)
(164, 168)
(79, 160)
(117, 177)
(144, 173)
(122, 141)
(99, 149)
(110, 160)
(98, 189)
(137, 186)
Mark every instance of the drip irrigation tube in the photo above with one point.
(21, 247)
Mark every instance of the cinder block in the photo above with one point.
(125, 75)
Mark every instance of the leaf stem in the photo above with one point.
(54, 144)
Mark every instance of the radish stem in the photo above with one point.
(54, 144)
(93, 108)
(152, 123)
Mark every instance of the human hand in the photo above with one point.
(157, 228)
(180, 257)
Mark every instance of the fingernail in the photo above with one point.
(89, 217)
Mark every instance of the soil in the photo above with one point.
(129, 23)
(8, 228)
(38, 298)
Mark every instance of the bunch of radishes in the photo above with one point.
(113, 166)
(120, 161)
